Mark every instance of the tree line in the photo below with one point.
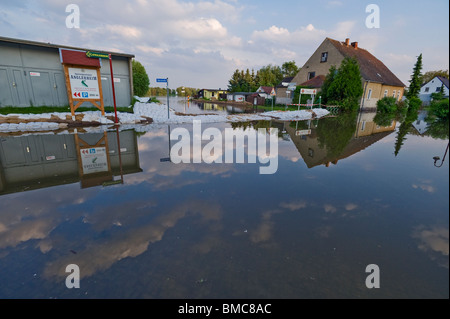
(270, 75)
(181, 91)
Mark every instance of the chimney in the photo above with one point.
(355, 45)
(347, 42)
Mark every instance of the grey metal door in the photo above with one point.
(5, 89)
(20, 95)
(41, 85)
(106, 87)
(61, 90)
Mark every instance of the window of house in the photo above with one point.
(438, 89)
(311, 75)
(324, 57)
(385, 93)
(310, 152)
(363, 126)
(393, 94)
(212, 94)
(427, 89)
(369, 94)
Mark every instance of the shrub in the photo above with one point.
(141, 81)
(387, 105)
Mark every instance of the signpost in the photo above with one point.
(166, 80)
(312, 92)
(98, 55)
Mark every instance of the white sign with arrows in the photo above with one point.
(308, 91)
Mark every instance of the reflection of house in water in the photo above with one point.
(211, 107)
(420, 124)
(365, 134)
(39, 161)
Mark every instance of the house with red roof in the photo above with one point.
(266, 91)
(377, 80)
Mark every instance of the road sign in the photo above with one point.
(292, 86)
(97, 55)
(302, 132)
(308, 91)
(161, 80)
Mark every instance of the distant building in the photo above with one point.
(266, 91)
(433, 86)
(283, 94)
(378, 81)
(31, 74)
(238, 96)
(212, 94)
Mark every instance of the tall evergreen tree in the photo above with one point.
(416, 80)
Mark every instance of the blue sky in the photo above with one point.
(201, 43)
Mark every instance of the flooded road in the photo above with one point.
(345, 196)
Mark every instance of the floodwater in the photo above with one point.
(180, 104)
(347, 194)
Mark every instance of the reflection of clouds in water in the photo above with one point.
(26, 230)
(264, 231)
(105, 216)
(424, 187)
(294, 205)
(351, 206)
(102, 254)
(289, 152)
(324, 231)
(329, 208)
(433, 240)
(167, 175)
(35, 218)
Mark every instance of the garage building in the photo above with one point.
(31, 74)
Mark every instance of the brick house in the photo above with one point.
(378, 81)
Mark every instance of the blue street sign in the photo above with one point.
(161, 80)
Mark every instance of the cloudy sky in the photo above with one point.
(199, 43)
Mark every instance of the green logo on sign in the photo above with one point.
(97, 55)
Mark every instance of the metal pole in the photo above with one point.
(299, 100)
(120, 154)
(168, 116)
(113, 90)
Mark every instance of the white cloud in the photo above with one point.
(149, 49)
